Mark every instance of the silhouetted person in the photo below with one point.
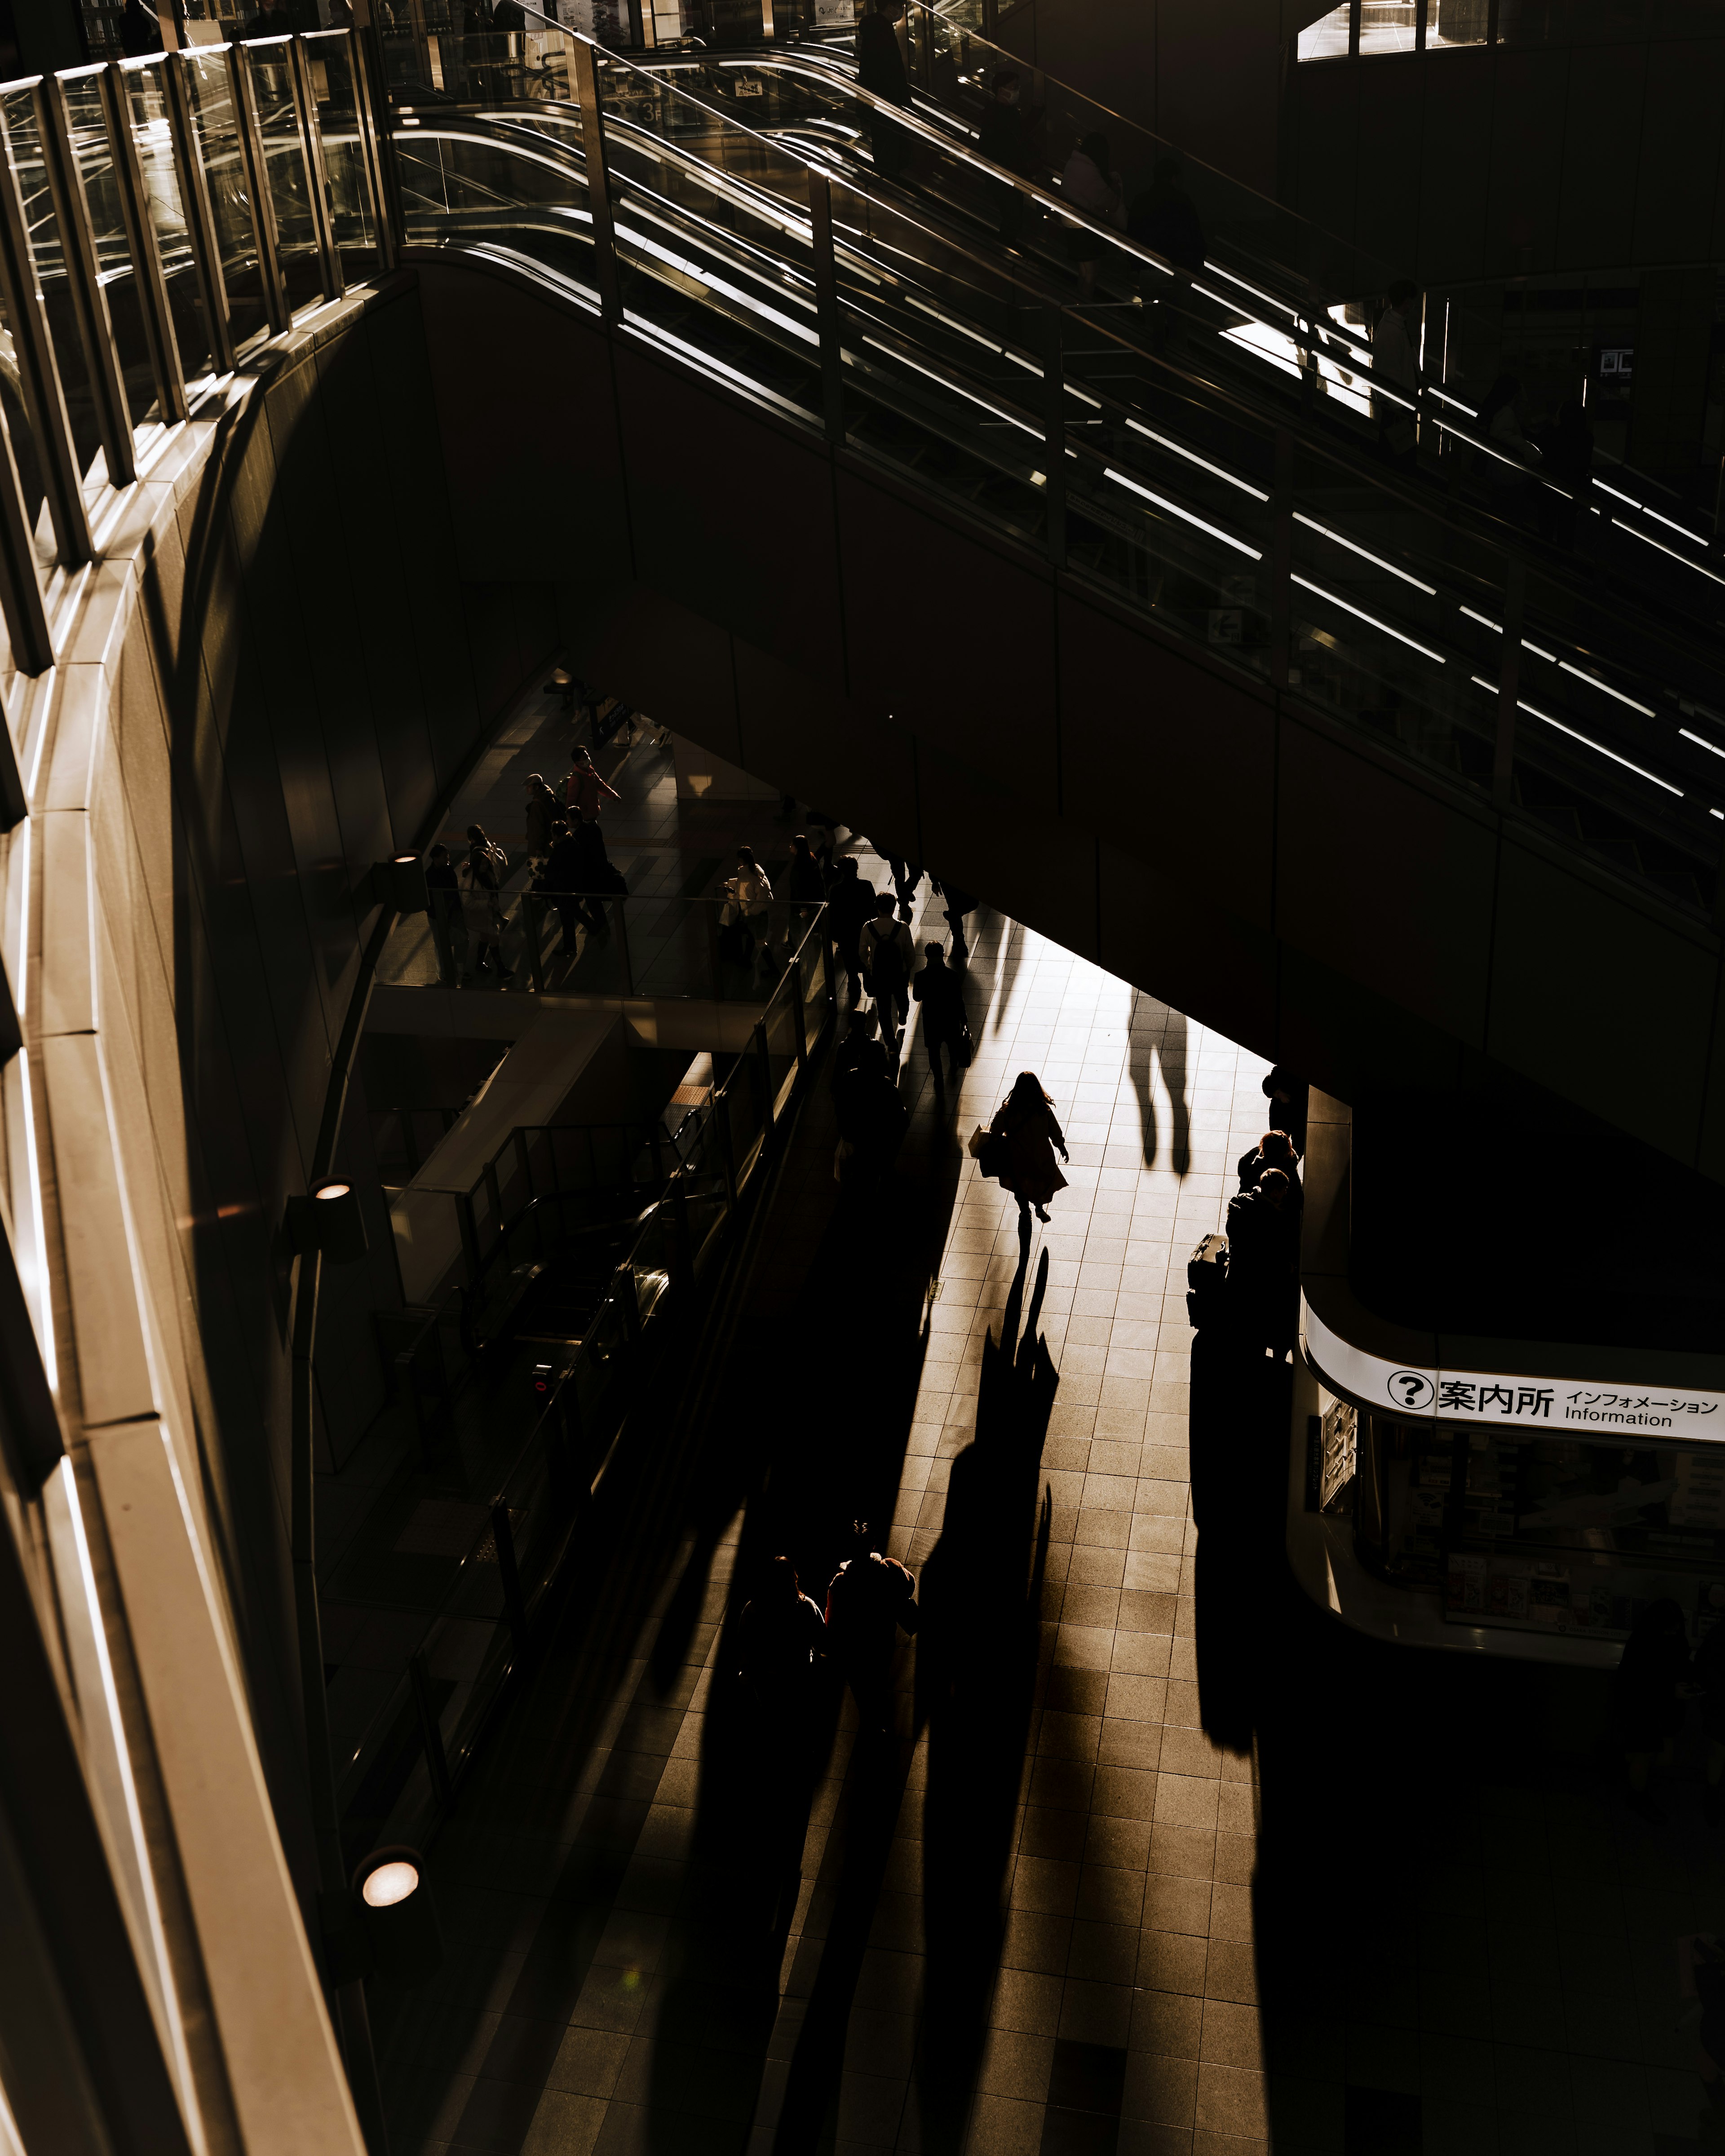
(871, 1114)
(881, 68)
(448, 930)
(1275, 1149)
(804, 885)
(781, 1637)
(748, 904)
(1395, 362)
(850, 903)
(1163, 219)
(1288, 1097)
(1089, 184)
(887, 954)
(1026, 1120)
(1568, 452)
(1263, 1264)
(584, 791)
(542, 814)
(1006, 136)
(1499, 420)
(940, 994)
(872, 1599)
(480, 877)
(1647, 1695)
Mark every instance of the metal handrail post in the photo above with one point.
(276, 309)
(200, 214)
(40, 374)
(153, 308)
(317, 178)
(366, 47)
(84, 284)
(1054, 420)
(826, 303)
(20, 584)
(598, 185)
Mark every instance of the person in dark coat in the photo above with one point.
(1163, 219)
(870, 1600)
(850, 903)
(1264, 1263)
(449, 928)
(1648, 1692)
(940, 994)
(1006, 136)
(1026, 1120)
(1275, 1149)
(871, 1116)
(881, 68)
(781, 1642)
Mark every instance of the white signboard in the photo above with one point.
(1561, 1403)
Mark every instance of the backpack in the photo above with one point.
(886, 962)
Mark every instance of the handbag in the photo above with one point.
(988, 1149)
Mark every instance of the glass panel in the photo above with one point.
(217, 127)
(285, 160)
(146, 105)
(89, 128)
(1455, 23)
(330, 58)
(1386, 26)
(18, 115)
(1327, 39)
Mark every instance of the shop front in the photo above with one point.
(1508, 1495)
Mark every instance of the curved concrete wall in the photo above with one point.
(807, 616)
(268, 678)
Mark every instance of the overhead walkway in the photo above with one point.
(890, 514)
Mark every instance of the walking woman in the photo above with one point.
(480, 878)
(1026, 1120)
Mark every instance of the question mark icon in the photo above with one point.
(1413, 1390)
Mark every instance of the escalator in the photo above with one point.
(1202, 450)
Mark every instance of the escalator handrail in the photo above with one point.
(1506, 539)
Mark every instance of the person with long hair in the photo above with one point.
(1026, 1120)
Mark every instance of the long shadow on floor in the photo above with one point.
(1171, 1053)
(976, 1681)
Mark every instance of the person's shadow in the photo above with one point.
(1171, 1052)
(975, 1672)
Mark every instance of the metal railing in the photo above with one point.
(400, 1762)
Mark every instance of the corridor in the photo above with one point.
(1055, 1917)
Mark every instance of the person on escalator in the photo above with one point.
(1395, 362)
(1275, 1149)
(1163, 218)
(1089, 184)
(881, 68)
(1568, 448)
(1006, 136)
